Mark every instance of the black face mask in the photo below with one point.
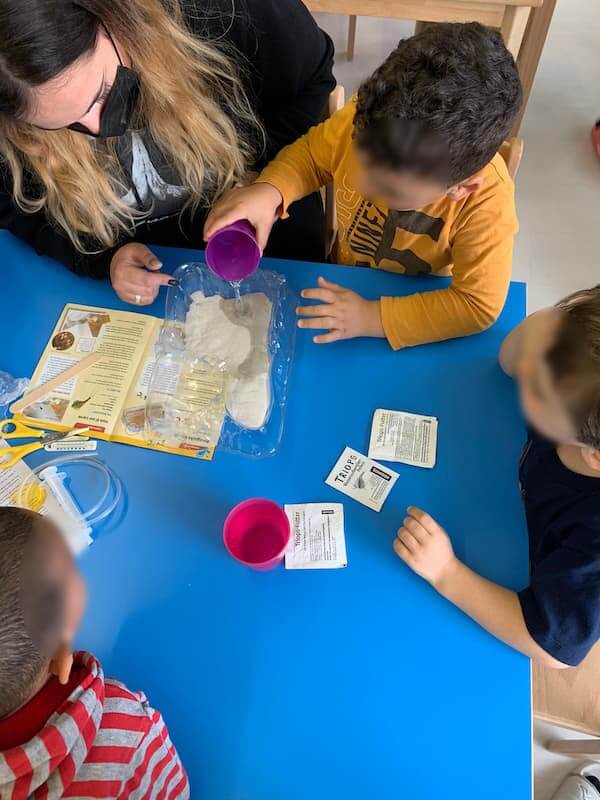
(118, 106)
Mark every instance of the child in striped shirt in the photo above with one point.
(65, 729)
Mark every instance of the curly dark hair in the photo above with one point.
(441, 104)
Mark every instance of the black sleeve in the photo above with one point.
(285, 59)
(286, 63)
(561, 606)
(45, 238)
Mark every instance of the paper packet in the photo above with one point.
(362, 479)
(404, 437)
(317, 540)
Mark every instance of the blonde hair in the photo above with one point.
(190, 96)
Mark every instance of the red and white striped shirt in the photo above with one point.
(99, 741)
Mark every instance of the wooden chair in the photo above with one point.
(512, 25)
(337, 100)
(570, 698)
(351, 37)
(512, 152)
(524, 24)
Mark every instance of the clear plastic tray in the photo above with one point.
(253, 441)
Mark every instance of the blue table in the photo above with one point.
(325, 685)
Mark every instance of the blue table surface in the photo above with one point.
(354, 683)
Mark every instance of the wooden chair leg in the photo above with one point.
(420, 26)
(513, 27)
(531, 51)
(579, 748)
(351, 37)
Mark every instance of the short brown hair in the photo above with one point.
(31, 607)
(574, 362)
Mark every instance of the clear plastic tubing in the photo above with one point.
(113, 487)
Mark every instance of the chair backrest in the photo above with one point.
(337, 100)
(512, 152)
(569, 697)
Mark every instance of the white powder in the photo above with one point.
(236, 332)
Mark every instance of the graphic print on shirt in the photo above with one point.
(154, 182)
(373, 231)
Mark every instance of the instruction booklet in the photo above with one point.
(109, 397)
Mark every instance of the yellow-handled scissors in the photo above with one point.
(16, 430)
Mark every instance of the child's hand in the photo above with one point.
(343, 313)
(259, 203)
(425, 547)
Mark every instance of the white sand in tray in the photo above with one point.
(236, 332)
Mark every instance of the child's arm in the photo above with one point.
(482, 255)
(426, 548)
(300, 169)
(308, 163)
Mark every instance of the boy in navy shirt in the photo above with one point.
(554, 355)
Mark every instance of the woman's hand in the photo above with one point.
(259, 203)
(135, 276)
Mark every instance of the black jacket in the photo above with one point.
(286, 64)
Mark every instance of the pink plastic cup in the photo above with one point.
(233, 253)
(257, 533)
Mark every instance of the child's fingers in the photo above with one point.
(324, 295)
(321, 323)
(219, 218)
(423, 518)
(408, 540)
(263, 231)
(327, 338)
(402, 551)
(325, 284)
(313, 311)
(417, 530)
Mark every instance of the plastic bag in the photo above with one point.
(10, 389)
(251, 337)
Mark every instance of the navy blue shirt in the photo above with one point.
(561, 605)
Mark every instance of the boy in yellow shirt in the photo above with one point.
(420, 188)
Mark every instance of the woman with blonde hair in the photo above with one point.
(121, 122)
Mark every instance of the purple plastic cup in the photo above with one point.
(232, 253)
(256, 533)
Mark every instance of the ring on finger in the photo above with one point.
(138, 299)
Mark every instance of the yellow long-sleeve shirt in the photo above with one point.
(470, 239)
